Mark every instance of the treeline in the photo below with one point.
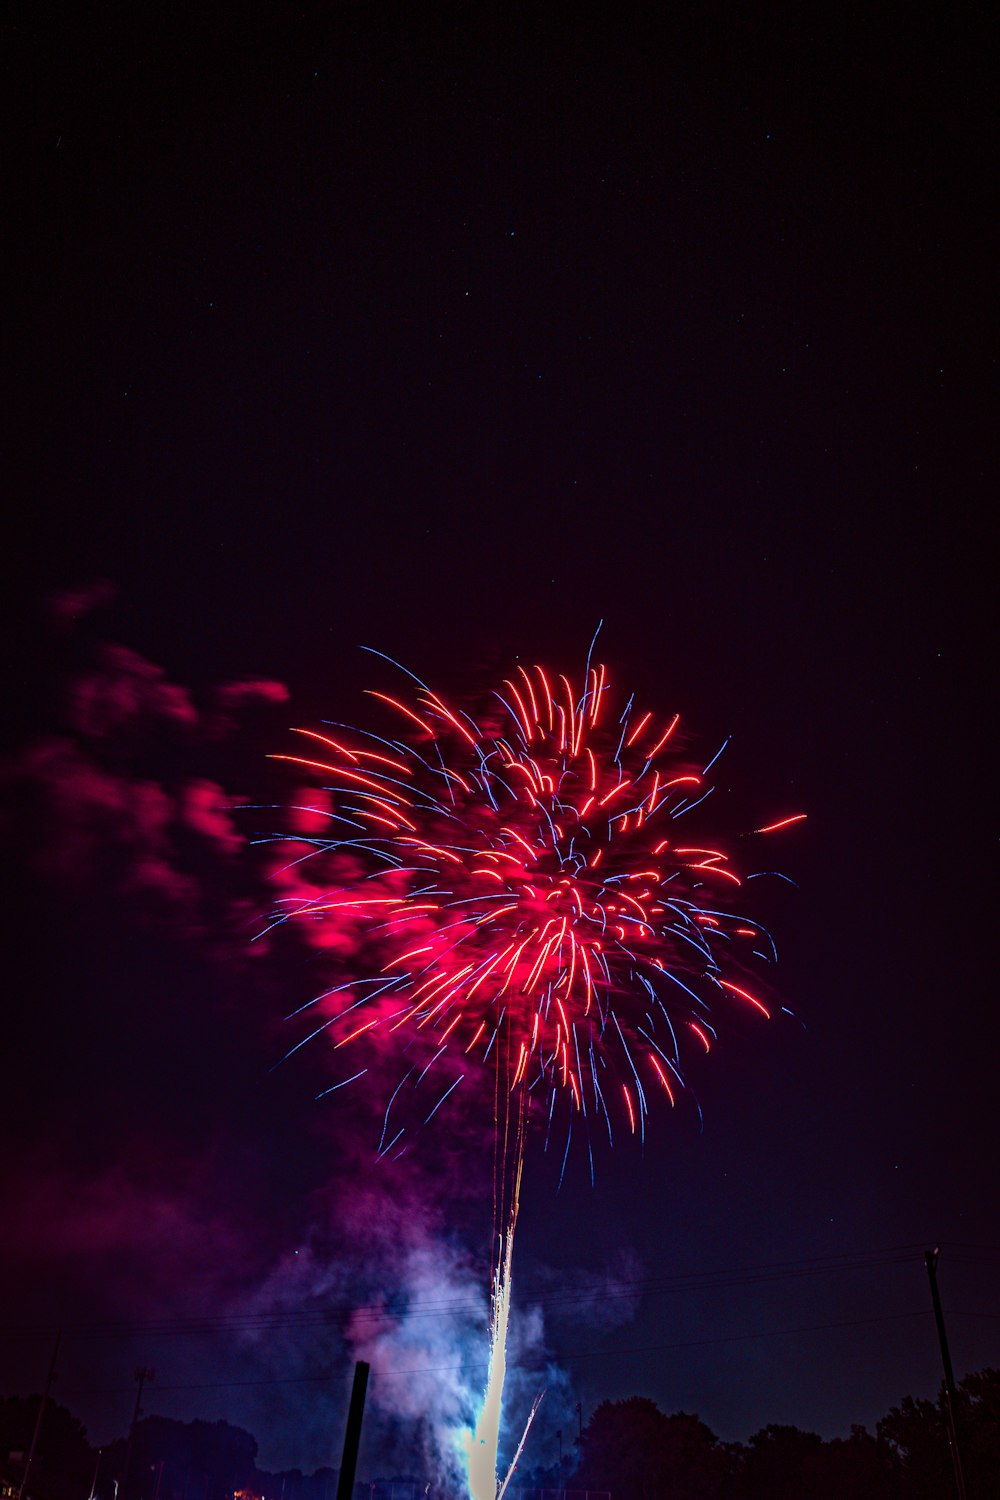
(638, 1453)
(166, 1460)
(629, 1448)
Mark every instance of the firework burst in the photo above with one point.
(526, 884)
(533, 909)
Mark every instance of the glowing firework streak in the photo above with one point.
(485, 1440)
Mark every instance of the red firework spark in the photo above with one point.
(531, 893)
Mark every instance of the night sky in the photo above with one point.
(452, 333)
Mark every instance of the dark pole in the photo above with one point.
(49, 1382)
(352, 1437)
(950, 1394)
(141, 1377)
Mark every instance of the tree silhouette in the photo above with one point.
(916, 1435)
(200, 1460)
(63, 1462)
(781, 1463)
(632, 1448)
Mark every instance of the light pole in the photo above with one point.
(49, 1381)
(141, 1377)
(950, 1394)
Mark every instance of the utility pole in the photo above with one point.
(950, 1394)
(49, 1382)
(141, 1377)
(352, 1437)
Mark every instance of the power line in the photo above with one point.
(332, 1313)
(564, 1356)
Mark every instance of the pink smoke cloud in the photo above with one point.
(125, 688)
(236, 695)
(116, 796)
(203, 808)
(231, 699)
(86, 811)
(72, 605)
(165, 1241)
(93, 819)
(309, 812)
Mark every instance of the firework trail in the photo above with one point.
(483, 1443)
(534, 907)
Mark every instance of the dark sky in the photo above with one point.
(452, 334)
